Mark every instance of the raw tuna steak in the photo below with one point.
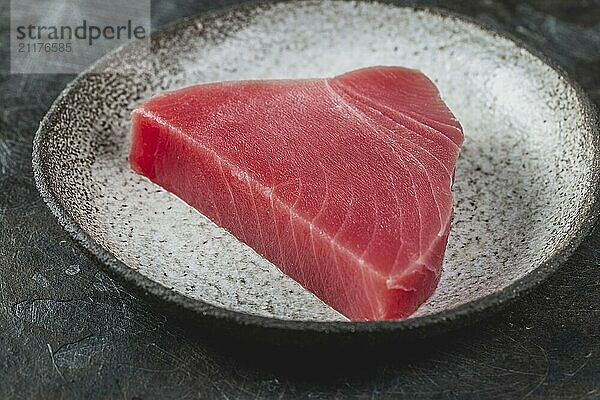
(344, 183)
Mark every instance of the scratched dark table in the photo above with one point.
(68, 331)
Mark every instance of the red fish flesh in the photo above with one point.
(343, 183)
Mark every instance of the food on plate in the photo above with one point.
(343, 183)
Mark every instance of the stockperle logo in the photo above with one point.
(67, 36)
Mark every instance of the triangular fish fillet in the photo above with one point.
(343, 183)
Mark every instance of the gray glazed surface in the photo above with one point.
(525, 180)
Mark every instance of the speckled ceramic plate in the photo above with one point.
(525, 191)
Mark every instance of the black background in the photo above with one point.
(68, 331)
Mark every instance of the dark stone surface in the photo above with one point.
(68, 331)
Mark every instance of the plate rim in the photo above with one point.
(163, 296)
